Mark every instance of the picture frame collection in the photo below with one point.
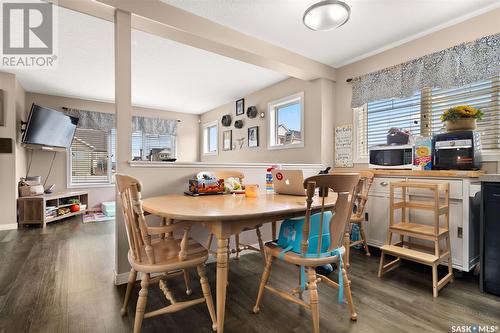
(252, 132)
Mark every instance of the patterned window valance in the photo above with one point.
(106, 122)
(154, 126)
(454, 67)
(93, 120)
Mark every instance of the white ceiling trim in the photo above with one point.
(421, 34)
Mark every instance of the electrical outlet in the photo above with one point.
(460, 232)
(366, 216)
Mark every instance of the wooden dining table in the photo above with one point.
(226, 215)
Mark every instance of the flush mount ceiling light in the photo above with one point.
(326, 15)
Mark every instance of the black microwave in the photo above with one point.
(459, 150)
(391, 157)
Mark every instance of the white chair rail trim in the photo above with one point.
(160, 164)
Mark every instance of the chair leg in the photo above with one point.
(313, 295)
(263, 282)
(141, 303)
(130, 285)
(347, 289)
(363, 237)
(205, 287)
(347, 245)
(186, 282)
(261, 244)
(237, 241)
(209, 241)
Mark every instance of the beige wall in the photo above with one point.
(317, 103)
(187, 142)
(8, 161)
(11, 165)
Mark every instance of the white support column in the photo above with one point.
(123, 109)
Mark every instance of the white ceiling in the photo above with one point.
(172, 76)
(165, 75)
(374, 24)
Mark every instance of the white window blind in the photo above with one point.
(483, 95)
(382, 115)
(143, 143)
(91, 157)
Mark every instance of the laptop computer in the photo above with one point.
(289, 182)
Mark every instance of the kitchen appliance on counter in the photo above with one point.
(391, 157)
(459, 150)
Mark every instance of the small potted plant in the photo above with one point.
(461, 117)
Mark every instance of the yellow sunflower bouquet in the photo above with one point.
(461, 112)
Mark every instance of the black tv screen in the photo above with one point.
(47, 127)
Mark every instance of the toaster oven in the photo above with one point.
(391, 157)
(457, 150)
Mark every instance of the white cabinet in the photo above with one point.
(377, 209)
(377, 224)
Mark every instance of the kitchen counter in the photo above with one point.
(490, 178)
(430, 173)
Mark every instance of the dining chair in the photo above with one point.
(327, 250)
(239, 247)
(156, 250)
(357, 217)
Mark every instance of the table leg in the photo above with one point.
(222, 269)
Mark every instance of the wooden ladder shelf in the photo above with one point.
(434, 232)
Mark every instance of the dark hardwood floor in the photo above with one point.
(59, 279)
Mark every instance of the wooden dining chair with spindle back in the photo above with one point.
(239, 247)
(358, 215)
(318, 247)
(153, 253)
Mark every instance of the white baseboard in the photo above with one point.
(122, 278)
(10, 226)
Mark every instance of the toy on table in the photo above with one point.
(205, 183)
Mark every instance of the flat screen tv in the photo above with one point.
(47, 127)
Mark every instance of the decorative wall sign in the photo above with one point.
(240, 107)
(238, 123)
(253, 136)
(252, 112)
(227, 140)
(226, 120)
(343, 146)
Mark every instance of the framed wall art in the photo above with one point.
(240, 107)
(227, 140)
(253, 136)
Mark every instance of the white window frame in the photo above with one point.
(272, 124)
(206, 143)
(356, 115)
(69, 173)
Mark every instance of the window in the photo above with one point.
(92, 158)
(210, 137)
(286, 122)
(420, 113)
(144, 144)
